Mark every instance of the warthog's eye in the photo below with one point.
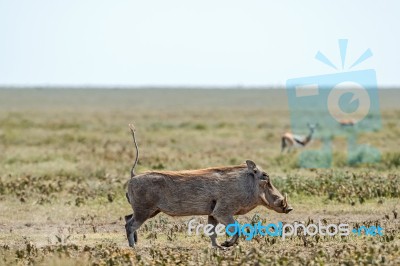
(264, 176)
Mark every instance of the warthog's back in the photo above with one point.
(193, 192)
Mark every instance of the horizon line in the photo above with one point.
(152, 87)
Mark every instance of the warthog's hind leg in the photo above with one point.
(133, 222)
(131, 226)
(129, 220)
(213, 236)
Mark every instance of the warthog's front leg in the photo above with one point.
(234, 239)
(226, 219)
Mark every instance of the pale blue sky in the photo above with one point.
(195, 43)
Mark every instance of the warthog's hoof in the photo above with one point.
(219, 247)
(131, 241)
(227, 244)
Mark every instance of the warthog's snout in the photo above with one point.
(288, 209)
(272, 198)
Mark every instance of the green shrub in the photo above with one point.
(392, 160)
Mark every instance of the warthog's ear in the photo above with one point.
(251, 166)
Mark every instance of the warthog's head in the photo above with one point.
(269, 195)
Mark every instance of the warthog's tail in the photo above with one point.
(137, 150)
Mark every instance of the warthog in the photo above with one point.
(219, 192)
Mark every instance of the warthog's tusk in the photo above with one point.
(285, 200)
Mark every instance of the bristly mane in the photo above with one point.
(200, 172)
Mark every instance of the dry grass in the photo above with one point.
(66, 157)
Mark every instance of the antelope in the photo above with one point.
(290, 140)
(347, 122)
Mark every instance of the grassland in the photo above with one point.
(65, 160)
